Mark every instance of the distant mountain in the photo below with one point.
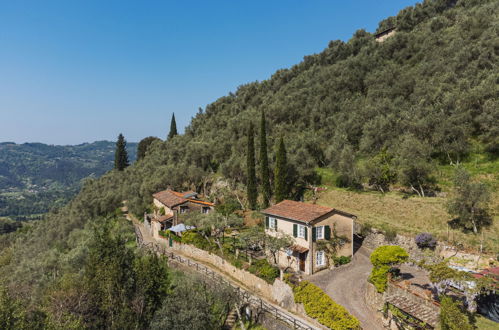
(35, 177)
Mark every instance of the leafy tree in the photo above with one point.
(195, 304)
(250, 170)
(380, 172)
(12, 314)
(470, 202)
(213, 225)
(264, 163)
(143, 145)
(452, 317)
(349, 175)
(252, 238)
(173, 128)
(414, 164)
(121, 155)
(279, 242)
(281, 173)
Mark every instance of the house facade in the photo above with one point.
(170, 205)
(308, 225)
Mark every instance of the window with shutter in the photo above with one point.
(314, 234)
(295, 230)
(327, 232)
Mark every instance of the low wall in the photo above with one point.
(251, 281)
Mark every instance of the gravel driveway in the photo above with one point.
(347, 286)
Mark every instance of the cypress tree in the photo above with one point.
(280, 173)
(120, 155)
(264, 163)
(173, 128)
(250, 166)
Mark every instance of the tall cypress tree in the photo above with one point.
(121, 155)
(264, 163)
(280, 173)
(250, 167)
(173, 128)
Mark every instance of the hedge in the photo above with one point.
(322, 308)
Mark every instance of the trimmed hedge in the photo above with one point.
(322, 308)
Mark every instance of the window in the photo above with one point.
(320, 259)
(184, 209)
(301, 231)
(272, 223)
(319, 232)
(205, 210)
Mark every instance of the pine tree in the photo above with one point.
(121, 156)
(264, 164)
(173, 128)
(250, 166)
(280, 173)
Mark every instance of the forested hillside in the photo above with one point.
(35, 177)
(426, 96)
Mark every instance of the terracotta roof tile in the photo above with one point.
(169, 198)
(298, 211)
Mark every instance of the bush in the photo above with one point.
(343, 260)
(321, 307)
(425, 241)
(196, 239)
(452, 315)
(390, 234)
(263, 269)
(383, 258)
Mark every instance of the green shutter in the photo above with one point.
(266, 222)
(306, 233)
(327, 232)
(295, 230)
(275, 222)
(314, 234)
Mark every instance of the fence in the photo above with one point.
(246, 297)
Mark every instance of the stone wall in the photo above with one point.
(251, 281)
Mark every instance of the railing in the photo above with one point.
(245, 296)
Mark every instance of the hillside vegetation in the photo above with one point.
(35, 177)
(427, 95)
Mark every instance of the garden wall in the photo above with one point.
(251, 281)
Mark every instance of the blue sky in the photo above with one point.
(81, 71)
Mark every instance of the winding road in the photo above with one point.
(347, 286)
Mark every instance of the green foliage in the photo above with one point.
(121, 155)
(406, 318)
(251, 190)
(173, 128)
(342, 260)
(383, 258)
(380, 171)
(264, 164)
(281, 173)
(320, 306)
(470, 203)
(390, 234)
(195, 304)
(452, 316)
(263, 269)
(144, 145)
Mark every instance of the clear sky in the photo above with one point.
(81, 71)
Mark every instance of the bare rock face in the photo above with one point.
(283, 295)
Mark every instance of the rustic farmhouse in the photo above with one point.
(308, 224)
(169, 205)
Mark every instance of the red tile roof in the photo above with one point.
(172, 198)
(298, 211)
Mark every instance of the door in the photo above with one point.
(303, 257)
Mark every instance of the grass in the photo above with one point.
(412, 215)
(483, 323)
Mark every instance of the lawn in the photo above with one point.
(411, 214)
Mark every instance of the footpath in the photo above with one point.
(260, 304)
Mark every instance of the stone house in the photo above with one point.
(383, 35)
(308, 224)
(170, 205)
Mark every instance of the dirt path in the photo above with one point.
(347, 286)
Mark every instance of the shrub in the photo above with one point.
(390, 234)
(263, 269)
(425, 241)
(383, 258)
(366, 229)
(343, 260)
(452, 316)
(196, 239)
(321, 307)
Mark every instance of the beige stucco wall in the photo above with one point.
(343, 225)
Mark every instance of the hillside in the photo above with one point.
(35, 177)
(427, 95)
